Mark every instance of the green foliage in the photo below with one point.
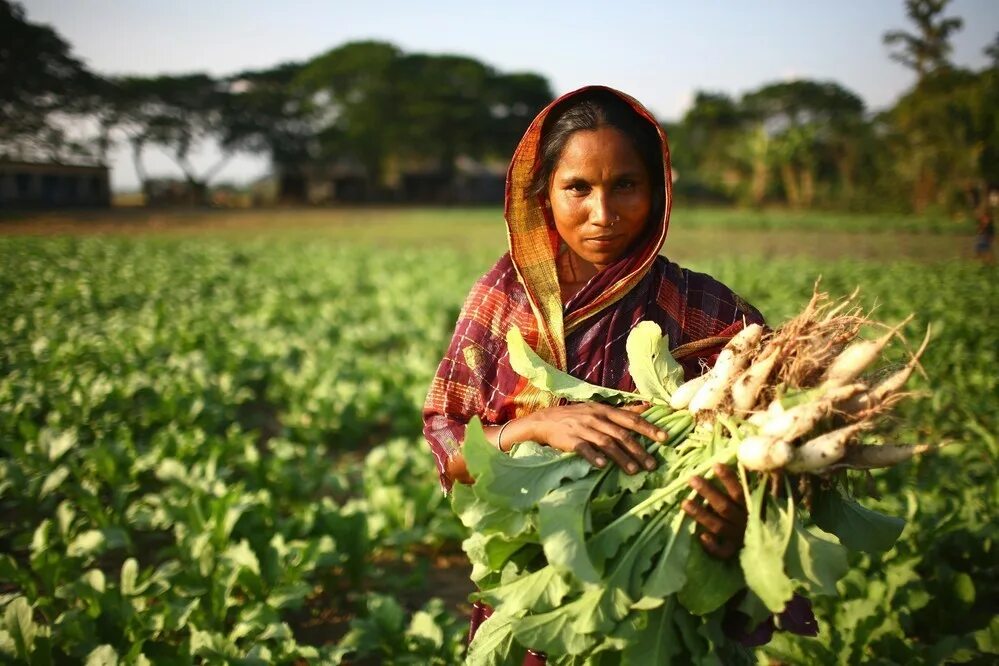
(174, 407)
(430, 637)
(192, 450)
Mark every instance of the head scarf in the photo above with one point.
(534, 242)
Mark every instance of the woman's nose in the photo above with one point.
(600, 212)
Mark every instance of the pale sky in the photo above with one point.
(659, 52)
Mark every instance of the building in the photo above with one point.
(52, 185)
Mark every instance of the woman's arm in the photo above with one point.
(597, 432)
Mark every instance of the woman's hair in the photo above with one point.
(591, 111)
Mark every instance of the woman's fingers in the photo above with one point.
(721, 514)
(724, 505)
(634, 423)
(730, 480)
(591, 454)
(719, 547)
(623, 439)
(614, 449)
(707, 518)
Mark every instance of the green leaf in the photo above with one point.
(53, 480)
(483, 516)
(241, 556)
(669, 574)
(655, 371)
(762, 555)
(555, 631)
(562, 517)
(21, 626)
(658, 643)
(54, 445)
(550, 379)
(129, 575)
(103, 655)
(516, 482)
(537, 592)
(710, 582)
(86, 543)
(493, 644)
(816, 560)
(95, 579)
(488, 553)
(857, 527)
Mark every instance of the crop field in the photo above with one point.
(211, 450)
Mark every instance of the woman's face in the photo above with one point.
(600, 195)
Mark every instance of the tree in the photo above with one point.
(354, 93)
(948, 133)
(992, 51)
(513, 100)
(444, 106)
(40, 82)
(928, 48)
(178, 113)
(266, 111)
(377, 107)
(810, 125)
(712, 140)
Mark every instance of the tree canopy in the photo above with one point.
(374, 111)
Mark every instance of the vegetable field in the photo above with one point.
(210, 452)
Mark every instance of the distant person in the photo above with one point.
(986, 234)
(587, 208)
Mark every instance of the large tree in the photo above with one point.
(268, 112)
(179, 114)
(41, 83)
(810, 125)
(354, 92)
(711, 142)
(385, 110)
(928, 48)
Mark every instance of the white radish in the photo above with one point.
(730, 362)
(746, 389)
(886, 387)
(773, 411)
(764, 454)
(682, 395)
(800, 419)
(873, 457)
(855, 358)
(822, 451)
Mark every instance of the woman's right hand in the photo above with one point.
(595, 431)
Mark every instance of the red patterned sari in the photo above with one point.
(584, 336)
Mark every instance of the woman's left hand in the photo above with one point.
(721, 515)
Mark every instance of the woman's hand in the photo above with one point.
(596, 432)
(721, 515)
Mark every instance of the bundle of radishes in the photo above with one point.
(589, 564)
(797, 382)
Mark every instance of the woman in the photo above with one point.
(587, 209)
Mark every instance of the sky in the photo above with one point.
(661, 52)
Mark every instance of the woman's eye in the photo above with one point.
(625, 184)
(578, 186)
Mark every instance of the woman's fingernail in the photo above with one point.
(632, 467)
(662, 436)
(601, 462)
(650, 464)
